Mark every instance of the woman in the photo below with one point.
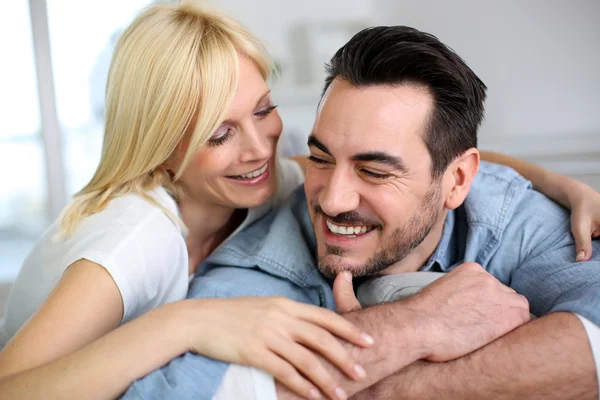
(188, 161)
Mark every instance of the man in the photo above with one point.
(393, 187)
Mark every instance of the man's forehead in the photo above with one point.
(380, 117)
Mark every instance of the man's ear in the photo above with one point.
(461, 173)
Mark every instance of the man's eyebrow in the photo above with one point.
(374, 156)
(383, 158)
(313, 141)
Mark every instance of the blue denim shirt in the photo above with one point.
(514, 232)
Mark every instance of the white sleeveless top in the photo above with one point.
(139, 245)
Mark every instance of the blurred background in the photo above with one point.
(539, 58)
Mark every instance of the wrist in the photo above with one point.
(178, 322)
(402, 335)
(423, 329)
(559, 188)
(570, 186)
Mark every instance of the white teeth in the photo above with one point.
(333, 228)
(254, 174)
(346, 230)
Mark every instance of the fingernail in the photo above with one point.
(348, 276)
(339, 392)
(360, 371)
(368, 339)
(580, 255)
(314, 394)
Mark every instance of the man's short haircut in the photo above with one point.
(396, 55)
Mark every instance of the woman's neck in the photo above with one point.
(208, 228)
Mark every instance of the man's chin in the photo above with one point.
(330, 266)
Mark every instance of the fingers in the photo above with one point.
(519, 317)
(329, 347)
(343, 293)
(520, 304)
(334, 323)
(595, 235)
(308, 364)
(523, 310)
(507, 289)
(285, 373)
(581, 228)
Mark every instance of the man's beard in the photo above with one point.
(401, 242)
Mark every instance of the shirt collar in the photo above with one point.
(443, 255)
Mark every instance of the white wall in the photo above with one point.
(274, 21)
(539, 58)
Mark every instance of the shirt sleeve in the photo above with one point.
(242, 382)
(553, 282)
(593, 333)
(193, 376)
(144, 254)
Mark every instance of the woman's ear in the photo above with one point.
(463, 171)
(168, 167)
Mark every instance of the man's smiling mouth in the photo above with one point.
(348, 230)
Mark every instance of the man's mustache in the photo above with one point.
(347, 218)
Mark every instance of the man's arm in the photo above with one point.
(548, 358)
(551, 357)
(424, 325)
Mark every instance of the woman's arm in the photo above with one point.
(583, 201)
(106, 367)
(70, 348)
(551, 184)
(85, 305)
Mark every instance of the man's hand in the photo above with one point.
(467, 309)
(343, 293)
(461, 312)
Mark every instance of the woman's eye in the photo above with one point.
(266, 111)
(220, 136)
(376, 175)
(317, 160)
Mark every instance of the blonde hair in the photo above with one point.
(174, 64)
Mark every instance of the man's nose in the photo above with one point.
(339, 195)
(257, 146)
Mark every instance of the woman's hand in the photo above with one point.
(275, 334)
(585, 217)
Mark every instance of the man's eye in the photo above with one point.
(375, 175)
(317, 160)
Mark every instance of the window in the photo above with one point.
(82, 48)
(36, 180)
(23, 204)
